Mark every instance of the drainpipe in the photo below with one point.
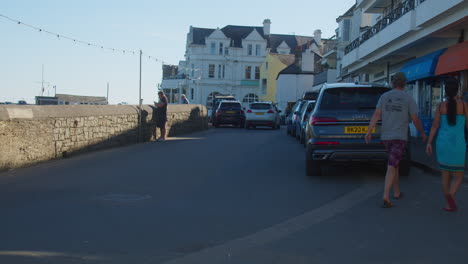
(388, 73)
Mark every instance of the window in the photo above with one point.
(257, 50)
(192, 94)
(351, 98)
(264, 86)
(211, 71)
(224, 71)
(213, 48)
(346, 29)
(250, 98)
(249, 49)
(226, 51)
(266, 66)
(424, 101)
(221, 45)
(248, 72)
(219, 71)
(260, 106)
(257, 73)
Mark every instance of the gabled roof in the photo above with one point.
(238, 33)
(199, 35)
(293, 69)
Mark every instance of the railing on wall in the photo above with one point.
(394, 15)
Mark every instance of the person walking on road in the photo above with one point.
(395, 108)
(184, 99)
(449, 125)
(161, 115)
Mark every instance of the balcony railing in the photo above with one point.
(394, 15)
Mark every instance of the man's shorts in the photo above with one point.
(161, 121)
(395, 150)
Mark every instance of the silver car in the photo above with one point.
(262, 114)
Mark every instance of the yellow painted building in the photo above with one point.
(273, 64)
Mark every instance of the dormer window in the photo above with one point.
(213, 48)
(250, 49)
(257, 49)
(221, 46)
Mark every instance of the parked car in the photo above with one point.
(336, 129)
(304, 118)
(215, 104)
(229, 113)
(296, 120)
(22, 102)
(292, 119)
(262, 114)
(310, 95)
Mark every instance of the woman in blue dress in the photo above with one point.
(449, 126)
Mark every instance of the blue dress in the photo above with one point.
(451, 144)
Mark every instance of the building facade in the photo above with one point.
(273, 65)
(228, 61)
(425, 39)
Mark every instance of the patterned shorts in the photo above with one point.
(395, 150)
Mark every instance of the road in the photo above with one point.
(224, 195)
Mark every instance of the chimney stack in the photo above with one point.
(298, 56)
(318, 37)
(266, 27)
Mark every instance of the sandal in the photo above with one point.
(452, 203)
(387, 204)
(399, 196)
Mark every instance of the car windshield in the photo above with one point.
(351, 98)
(260, 106)
(230, 105)
(299, 106)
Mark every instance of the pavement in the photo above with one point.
(224, 195)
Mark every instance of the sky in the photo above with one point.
(158, 28)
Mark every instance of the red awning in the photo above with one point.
(454, 59)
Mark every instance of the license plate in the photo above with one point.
(357, 130)
(259, 113)
(230, 112)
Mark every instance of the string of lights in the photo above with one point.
(90, 44)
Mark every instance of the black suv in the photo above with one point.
(229, 113)
(336, 129)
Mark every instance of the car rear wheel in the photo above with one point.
(302, 139)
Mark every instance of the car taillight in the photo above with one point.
(271, 112)
(326, 143)
(316, 121)
(249, 111)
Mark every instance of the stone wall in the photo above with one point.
(31, 134)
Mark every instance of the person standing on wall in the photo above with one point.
(449, 126)
(161, 115)
(395, 108)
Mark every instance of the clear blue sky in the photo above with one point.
(159, 29)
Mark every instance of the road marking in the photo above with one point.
(222, 253)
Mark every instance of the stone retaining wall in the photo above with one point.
(31, 134)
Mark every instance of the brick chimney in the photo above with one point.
(298, 56)
(266, 27)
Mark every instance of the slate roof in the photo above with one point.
(287, 59)
(237, 33)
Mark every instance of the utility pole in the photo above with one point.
(107, 97)
(139, 102)
(42, 82)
